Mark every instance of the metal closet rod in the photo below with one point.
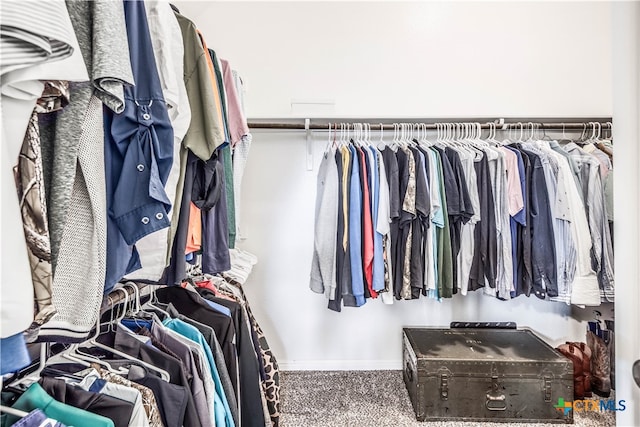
(116, 297)
(583, 123)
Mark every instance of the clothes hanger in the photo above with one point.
(345, 135)
(590, 138)
(491, 137)
(513, 134)
(400, 140)
(455, 134)
(508, 135)
(583, 135)
(414, 134)
(330, 143)
(367, 138)
(528, 132)
(15, 412)
(543, 133)
(138, 308)
(466, 138)
(349, 137)
(93, 342)
(335, 132)
(353, 139)
(565, 139)
(154, 304)
(494, 134)
(406, 127)
(361, 135)
(411, 134)
(381, 144)
(464, 131)
(442, 134)
(521, 135)
(393, 143)
(423, 135)
(449, 135)
(417, 133)
(74, 354)
(475, 137)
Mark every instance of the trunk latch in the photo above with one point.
(547, 389)
(444, 386)
(495, 401)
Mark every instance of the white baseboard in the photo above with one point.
(340, 365)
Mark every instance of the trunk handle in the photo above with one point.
(495, 401)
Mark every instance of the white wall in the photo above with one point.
(429, 59)
(390, 59)
(277, 216)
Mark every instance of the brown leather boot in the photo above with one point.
(600, 365)
(586, 366)
(611, 343)
(574, 354)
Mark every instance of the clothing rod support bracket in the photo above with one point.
(307, 129)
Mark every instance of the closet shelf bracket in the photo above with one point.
(307, 129)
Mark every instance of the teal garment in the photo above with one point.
(36, 398)
(438, 222)
(221, 409)
(445, 265)
(231, 202)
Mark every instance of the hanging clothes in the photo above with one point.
(33, 51)
(71, 141)
(166, 39)
(460, 215)
(138, 155)
(107, 155)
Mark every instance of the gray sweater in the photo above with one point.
(323, 265)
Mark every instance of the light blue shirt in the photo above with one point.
(355, 229)
(221, 410)
(219, 307)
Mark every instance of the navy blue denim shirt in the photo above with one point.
(517, 224)
(543, 250)
(138, 155)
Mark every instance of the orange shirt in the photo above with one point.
(194, 232)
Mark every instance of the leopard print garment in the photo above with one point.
(149, 402)
(270, 386)
(33, 207)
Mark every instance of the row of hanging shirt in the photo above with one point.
(125, 171)
(192, 356)
(409, 217)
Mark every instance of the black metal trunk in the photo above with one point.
(494, 375)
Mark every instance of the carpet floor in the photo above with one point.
(368, 399)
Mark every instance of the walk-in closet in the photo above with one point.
(310, 213)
